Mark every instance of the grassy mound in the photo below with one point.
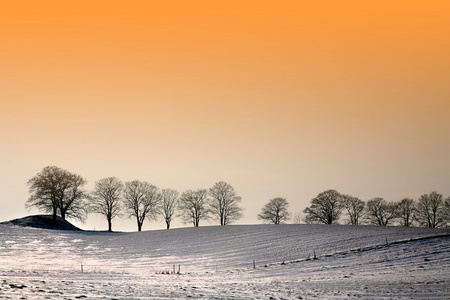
(44, 222)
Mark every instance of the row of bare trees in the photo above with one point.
(57, 191)
(430, 210)
(60, 192)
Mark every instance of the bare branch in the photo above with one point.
(106, 198)
(57, 190)
(224, 204)
(354, 207)
(141, 199)
(430, 210)
(326, 208)
(169, 201)
(380, 212)
(192, 206)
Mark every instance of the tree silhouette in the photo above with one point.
(354, 207)
(224, 204)
(106, 198)
(141, 199)
(169, 201)
(380, 212)
(56, 190)
(429, 211)
(192, 206)
(326, 208)
(275, 211)
(406, 209)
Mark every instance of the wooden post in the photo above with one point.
(173, 269)
(387, 244)
(179, 268)
(81, 268)
(254, 265)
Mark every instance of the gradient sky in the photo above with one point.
(277, 98)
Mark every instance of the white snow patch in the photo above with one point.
(228, 262)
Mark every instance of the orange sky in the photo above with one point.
(279, 98)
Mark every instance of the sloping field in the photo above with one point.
(371, 262)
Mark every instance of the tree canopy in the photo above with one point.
(192, 206)
(430, 210)
(380, 212)
(224, 203)
(107, 199)
(169, 202)
(275, 211)
(326, 208)
(141, 200)
(55, 190)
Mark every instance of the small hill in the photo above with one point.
(44, 222)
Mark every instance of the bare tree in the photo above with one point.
(405, 210)
(74, 204)
(326, 208)
(44, 189)
(192, 206)
(298, 218)
(56, 190)
(380, 212)
(169, 201)
(224, 204)
(446, 212)
(275, 211)
(141, 199)
(429, 211)
(354, 207)
(106, 198)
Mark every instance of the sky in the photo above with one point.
(277, 98)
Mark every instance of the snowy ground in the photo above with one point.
(353, 262)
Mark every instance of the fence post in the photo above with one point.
(254, 265)
(81, 268)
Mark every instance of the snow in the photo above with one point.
(352, 262)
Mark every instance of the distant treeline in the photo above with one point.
(330, 207)
(60, 192)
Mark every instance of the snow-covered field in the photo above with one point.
(364, 262)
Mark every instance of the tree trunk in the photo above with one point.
(168, 224)
(109, 225)
(54, 215)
